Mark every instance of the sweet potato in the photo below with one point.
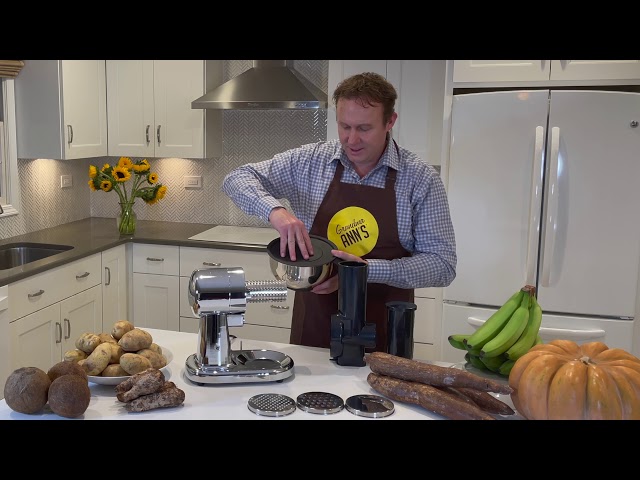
(133, 363)
(135, 340)
(98, 360)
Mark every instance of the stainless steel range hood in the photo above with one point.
(269, 84)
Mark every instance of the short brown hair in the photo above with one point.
(368, 88)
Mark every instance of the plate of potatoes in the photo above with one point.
(109, 358)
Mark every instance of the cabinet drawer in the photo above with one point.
(47, 288)
(255, 264)
(157, 259)
(425, 351)
(258, 332)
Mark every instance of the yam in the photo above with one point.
(26, 390)
(98, 360)
(133, 363)
(135, 340)
(87, 342)
(120, 328)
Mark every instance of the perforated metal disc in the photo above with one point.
(373, 406)
(271, 404)
(321, 403)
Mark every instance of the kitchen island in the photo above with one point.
(313, 372)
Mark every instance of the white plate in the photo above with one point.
(116, 380)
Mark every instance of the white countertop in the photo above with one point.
(313, 372)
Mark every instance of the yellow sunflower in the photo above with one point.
(121, 174)
(93, 171)
(152, 178)
(125, 162)
(92, 186)
(106, 186)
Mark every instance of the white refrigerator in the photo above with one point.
(544, 190)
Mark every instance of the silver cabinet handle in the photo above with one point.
(84, 275)
(147, 134)
(37, 294)
(70, 135)
(158, 134)
(67, 324)
(211, 264)
(108, 277)
(280, 307)
(58, 332)
(152, 259)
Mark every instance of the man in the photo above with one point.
(378, 202)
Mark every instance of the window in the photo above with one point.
(9, 183)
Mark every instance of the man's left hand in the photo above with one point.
(331, 284)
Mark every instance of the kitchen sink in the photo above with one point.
(16, 254)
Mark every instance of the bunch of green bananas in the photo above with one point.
(506, 336)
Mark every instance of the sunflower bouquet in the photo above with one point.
(144, 185)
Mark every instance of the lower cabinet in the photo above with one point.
(426, 330)
(155, 286)
(40, 339)
(115, 285)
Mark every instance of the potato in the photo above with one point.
(116, 353)
(133, 363)
(157, 360)
(107, 338)
(120, 328)
(74, 355)
(87, 342)
(114, 370)
(98, 360)
(135, 340)
(156, 348)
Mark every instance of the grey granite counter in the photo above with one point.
(93, 235)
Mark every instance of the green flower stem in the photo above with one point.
(127, 219)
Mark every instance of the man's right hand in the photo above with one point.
(292, 232)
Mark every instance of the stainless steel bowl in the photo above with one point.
(303, 274)
(298, 277)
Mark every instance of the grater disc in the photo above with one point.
(271, 404)
(372, 406)
(320, 402)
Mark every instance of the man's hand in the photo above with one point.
(333, 283)
(292, 232)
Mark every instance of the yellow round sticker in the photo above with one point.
(354, 230)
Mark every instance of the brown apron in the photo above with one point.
(311, 323)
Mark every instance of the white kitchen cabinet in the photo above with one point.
(150, 114)
(115, 284)
(61, 109)
(269, 321)
(420, 85)
(544, 72)
(40, 339)
(427, 323)
(155, 286)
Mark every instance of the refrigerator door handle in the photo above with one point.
(564, 333)
(551, 227)
(535, 207)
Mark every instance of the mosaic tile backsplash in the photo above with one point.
(248, 136)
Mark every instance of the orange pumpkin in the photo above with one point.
(562, 380)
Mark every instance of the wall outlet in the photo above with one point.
(66, 181)
(194, 181)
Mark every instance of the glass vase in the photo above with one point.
(126, 219)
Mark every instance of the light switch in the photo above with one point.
(192, 181)
(66, 181)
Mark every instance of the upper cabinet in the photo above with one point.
(149, 108)
(61, 109)
(420, 85)
(545, 72)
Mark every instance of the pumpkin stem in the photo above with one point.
(585, 359)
